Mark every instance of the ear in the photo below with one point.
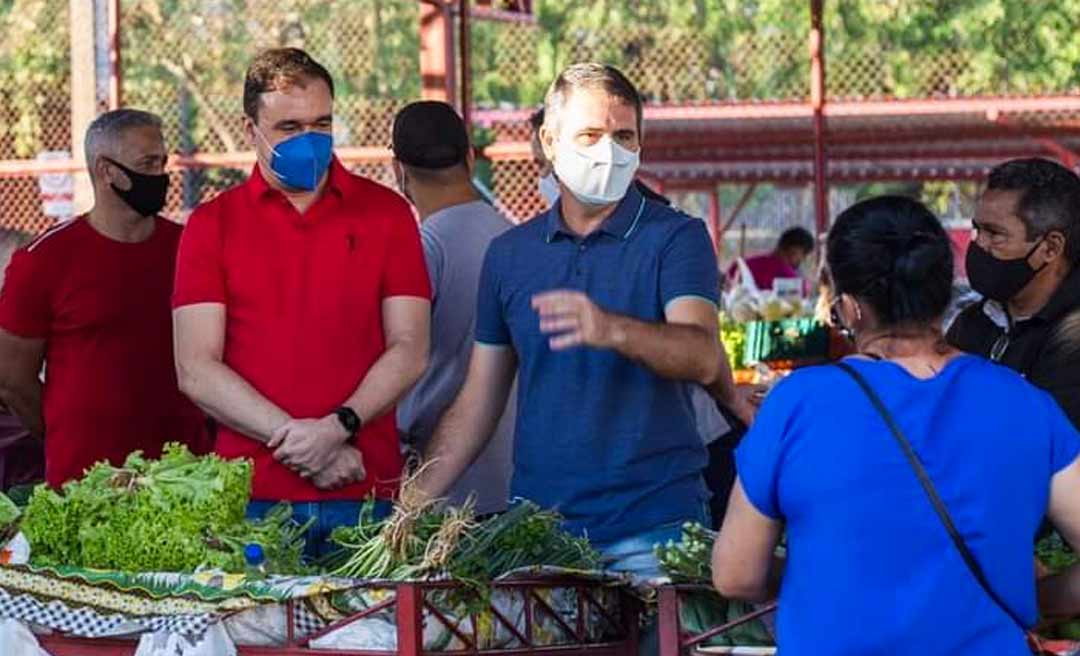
(101, 169)
(249, 131)
(850, 311)
(547, 142)
(98, 168)
(399, 172)
(470, 160)
(1053, 246)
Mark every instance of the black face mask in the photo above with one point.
(147, 193)
(999, 280)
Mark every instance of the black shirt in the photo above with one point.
(1045, 349)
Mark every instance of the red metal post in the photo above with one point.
(670, 631)
(714, 218)
(464, 50)
(410, 619)
(817, 103)
(436, 51)
(1068, 158)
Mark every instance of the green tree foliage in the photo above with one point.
(186, 58)
(35, 73)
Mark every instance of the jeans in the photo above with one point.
(328, 516)
(635, 555)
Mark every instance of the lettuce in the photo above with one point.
(176, 514)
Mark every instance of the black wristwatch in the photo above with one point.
(350, 421)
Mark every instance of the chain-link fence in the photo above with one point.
(185, 59)
(35, 104)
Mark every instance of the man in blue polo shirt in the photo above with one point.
(606, 307)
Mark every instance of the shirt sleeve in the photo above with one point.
(435, 259)
(1057, 369)
(200, 272)
(26, 301)
(688, 265)
(1064, 438)
(491, 326)
(406, 274)
(759, 457)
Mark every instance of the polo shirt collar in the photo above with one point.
(336, 182)
(621, 224)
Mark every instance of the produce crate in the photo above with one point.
(802, 341)
(677, 640)
(413, 609)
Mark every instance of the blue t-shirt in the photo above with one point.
(601, 439)
(871, 569)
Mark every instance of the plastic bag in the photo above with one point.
(215, 642)
(17, 640)
(746, 276)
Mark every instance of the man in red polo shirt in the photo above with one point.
(302, 307)
(89, 299)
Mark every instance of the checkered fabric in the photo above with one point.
(87, 622)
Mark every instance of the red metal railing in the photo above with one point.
(412, 609)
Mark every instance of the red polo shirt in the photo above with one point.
(303, 308)
(102, 307)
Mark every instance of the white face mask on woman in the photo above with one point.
(598, 174)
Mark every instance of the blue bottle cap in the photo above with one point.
(253, 554)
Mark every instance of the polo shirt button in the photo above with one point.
(581, 247)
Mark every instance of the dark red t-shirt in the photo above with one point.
(766, 269)
(102, 307)
(303, 308)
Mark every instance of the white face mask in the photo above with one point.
(599, 174)
(548, 187)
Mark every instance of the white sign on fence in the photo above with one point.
(57, 189)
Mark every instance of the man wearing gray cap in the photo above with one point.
(433, 165)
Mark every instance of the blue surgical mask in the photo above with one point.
(301, 161)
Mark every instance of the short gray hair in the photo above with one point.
(106, 129)
(591, 76)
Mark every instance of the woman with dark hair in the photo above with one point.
(910, 479)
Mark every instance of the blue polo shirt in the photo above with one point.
(602, 439)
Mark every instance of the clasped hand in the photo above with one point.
(317, 449)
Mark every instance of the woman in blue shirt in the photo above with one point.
(871, 568)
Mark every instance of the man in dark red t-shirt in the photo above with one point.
(794, 246)
(89, 299)
(302, 307)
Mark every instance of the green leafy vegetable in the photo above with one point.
(450, 543)
(688, 561)
(176, 514)
(1055, 553)
(733, 336)
(9, 512)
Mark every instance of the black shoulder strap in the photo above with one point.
(931, 491)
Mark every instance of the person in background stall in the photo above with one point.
(302, 308)
(792, 249)
(866, 546)
(433, 164)
(605, 427)
(88, 300)
(1023, 261)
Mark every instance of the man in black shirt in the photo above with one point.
(1024, 263)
